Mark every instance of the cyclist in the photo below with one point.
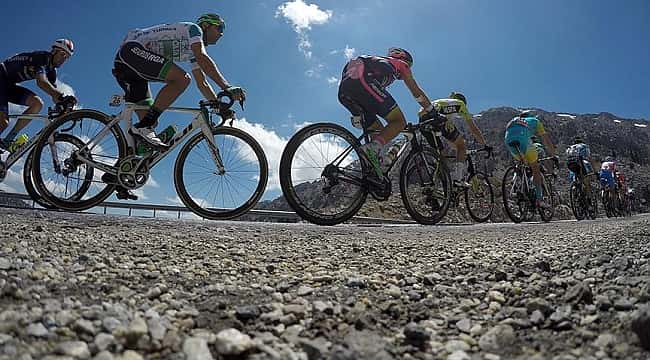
(452, 107)
(151, 54)
(518, 141)
(363, 92)
(607, 173)
(39, 65)
(579, 161)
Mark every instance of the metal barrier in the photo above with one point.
(276, 215)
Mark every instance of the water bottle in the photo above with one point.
(168, 134)
(391, 154)
(20, 141)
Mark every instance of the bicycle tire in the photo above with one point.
(441, 175)
(75, 203)
(213, 213)
(470, 209)
(548, 213)
(521, 201)
(576, 205)
(303, 207)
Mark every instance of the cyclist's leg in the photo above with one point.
(22, 96)
(136, 88)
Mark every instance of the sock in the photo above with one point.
(150, 119)
(538, 192)
(11, 136)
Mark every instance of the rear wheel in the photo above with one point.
(217, 195)
(576, 197)
(322, 175)
(425, 187)
(479, 198)
(515, 198)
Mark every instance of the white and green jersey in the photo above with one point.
(172, 41)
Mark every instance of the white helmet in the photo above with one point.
(64, 45)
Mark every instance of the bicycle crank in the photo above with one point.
(133, 172)
(380, 191)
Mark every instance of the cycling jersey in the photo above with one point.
(451, 108)
(148, 54)
(520, 130)
(19, 68)
(172, 41)
(363, 86)
(578, 150)
(26, 66)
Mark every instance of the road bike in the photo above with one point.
(220, 172)
(476, 189)
(326, 177)
(518, 191)
(584, 203)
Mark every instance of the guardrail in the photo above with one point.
(267, 215)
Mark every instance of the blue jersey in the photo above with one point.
(527, 127)
(26, 66)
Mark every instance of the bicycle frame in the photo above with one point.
(200, 121)
(13, 158)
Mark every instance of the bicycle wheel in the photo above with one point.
(72, 142)
(479, 198)
(576, 198)
(425, 187)
(515, 199)
(593, 206)
(60, 177)
(215, 194)
(29, 184)
(322, 175)
(546, 213)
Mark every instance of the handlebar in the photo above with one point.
(65, 105)
(486, 149)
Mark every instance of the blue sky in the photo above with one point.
(567, 56)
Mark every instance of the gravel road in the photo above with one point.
(80, 286)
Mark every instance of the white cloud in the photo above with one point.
(65, 88)
(332, 80)
(273, 145)
(302, 16)
(151, 184)
(349, 52)
(301, 125)
(315, 71)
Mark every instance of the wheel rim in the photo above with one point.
(325, 175)
(514, 200)
(426, 191)
(221, 194)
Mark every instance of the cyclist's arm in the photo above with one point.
(45, 85)
(478, 135)
(546, 139)
(207, 65)
(204, 86)
(417, 92)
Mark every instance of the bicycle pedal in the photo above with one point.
(123, 194)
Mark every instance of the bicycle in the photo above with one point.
(227, 155)
(326, 177)
(583, 204)
(518, 192)
(479, 196)
(13, 158)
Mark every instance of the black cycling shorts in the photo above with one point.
(361, 101)
(134, 67)
(12, 93)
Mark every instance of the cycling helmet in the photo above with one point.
(401, 54)
(65, 45)
(526, 114)
(212, 19)
(609, 159)
(458, 96)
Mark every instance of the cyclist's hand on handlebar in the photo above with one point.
(238, 93)
(67, 102)
(426, 114)
(556, 161)
(488, 148)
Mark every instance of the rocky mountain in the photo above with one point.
(626, 139)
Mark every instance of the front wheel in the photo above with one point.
(221, 194)
(425, 187)
(479, 197)
(547, 212)
(322, 175)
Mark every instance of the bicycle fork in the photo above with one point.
(214, 150)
